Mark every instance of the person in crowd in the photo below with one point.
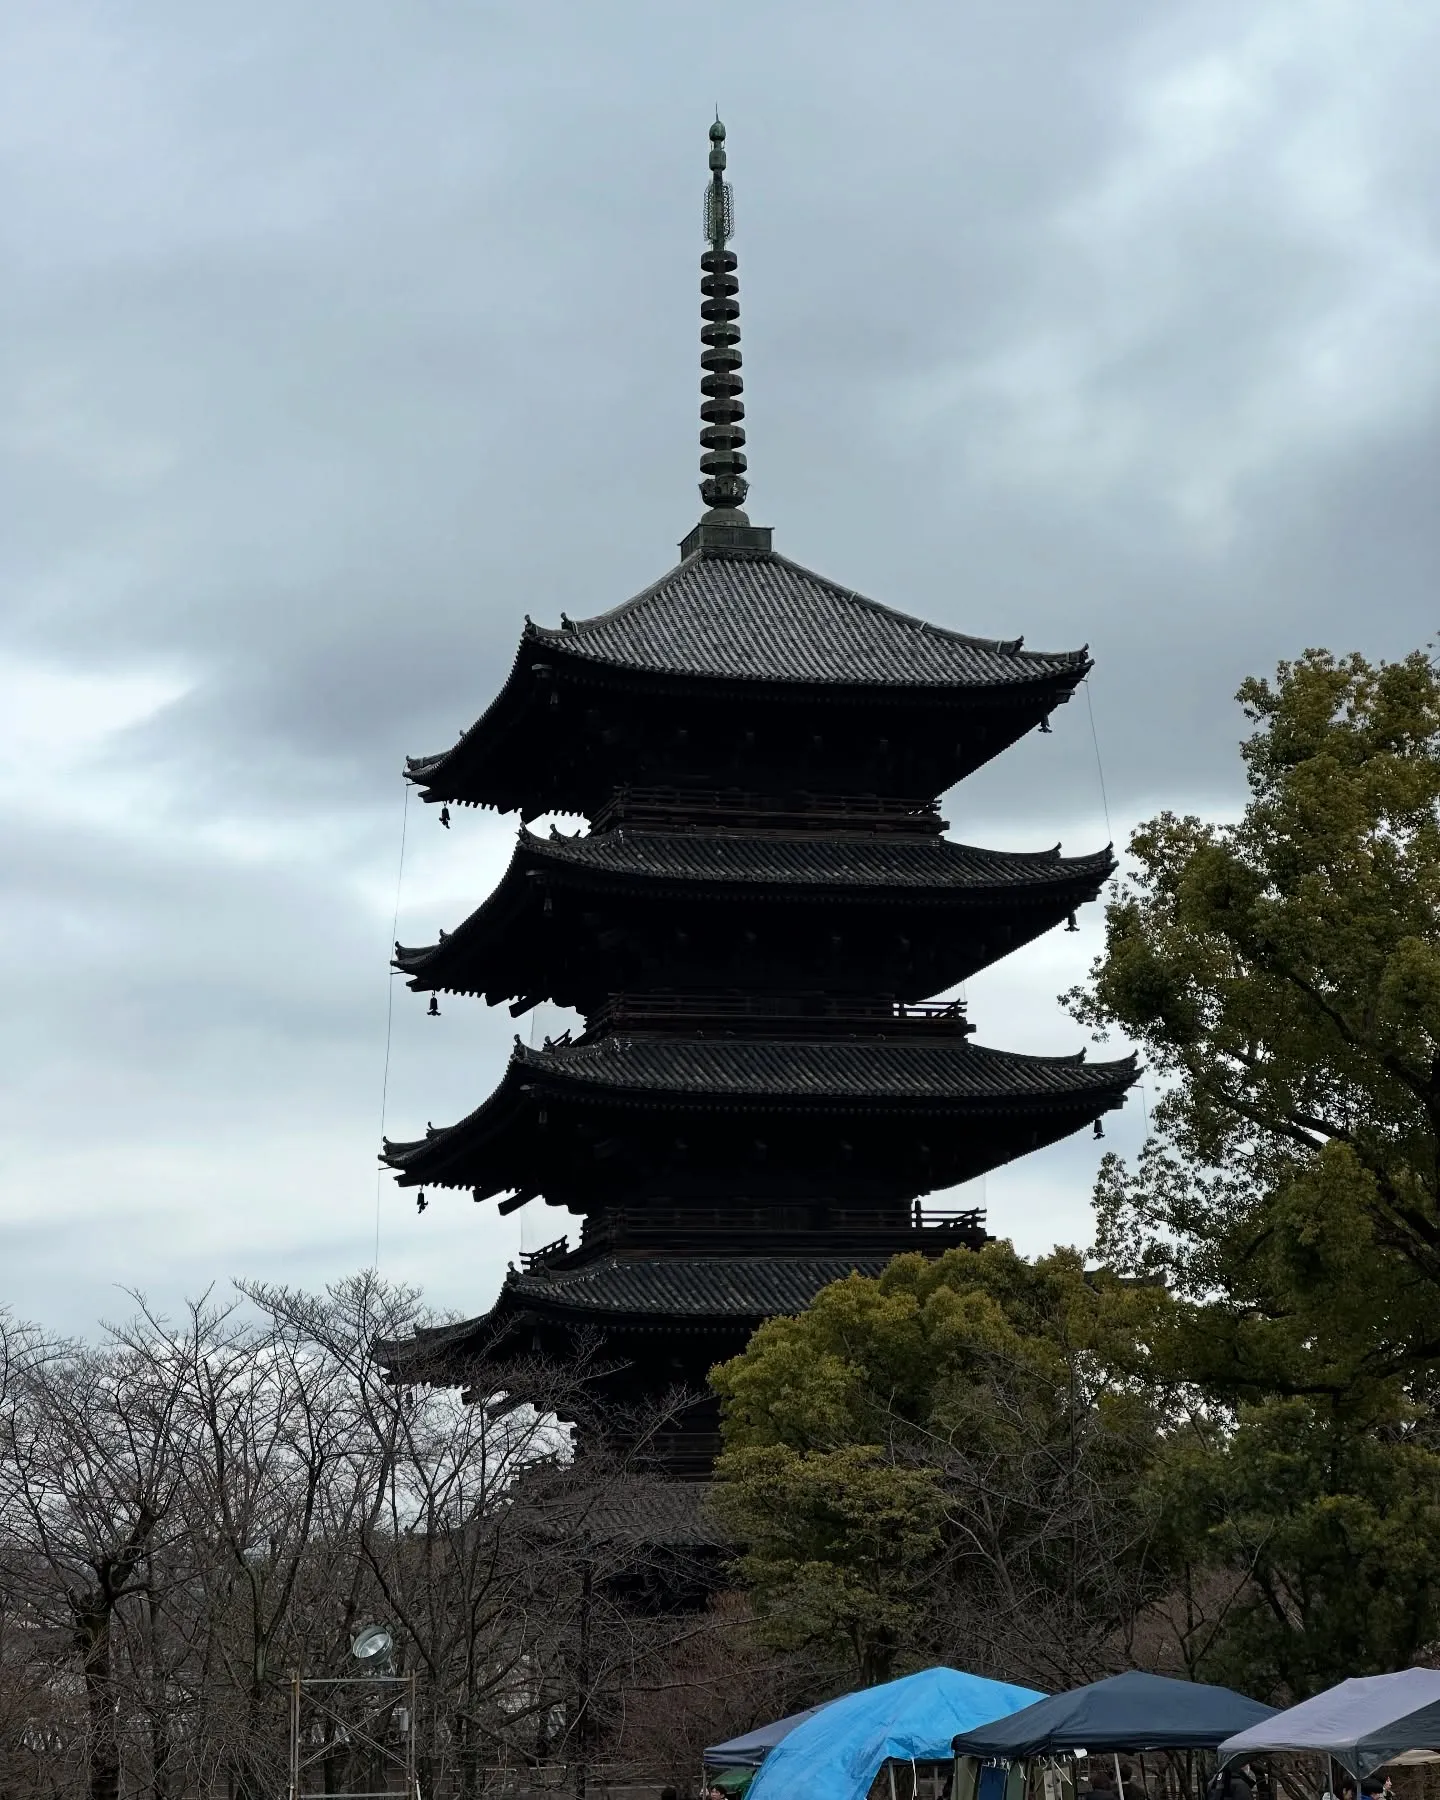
(1101, 1780)
(1236, 1781)
(1130, 1788)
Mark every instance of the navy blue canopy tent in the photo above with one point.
(751, 1749)
(1132, 1712)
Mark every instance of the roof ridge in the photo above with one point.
(1001, 646)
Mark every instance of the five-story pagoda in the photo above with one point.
(751, 927)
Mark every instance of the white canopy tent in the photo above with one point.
(1361, 1723)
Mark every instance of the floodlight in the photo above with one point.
(371, 1646)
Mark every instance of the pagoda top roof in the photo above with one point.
(727, 625)
(757, 616)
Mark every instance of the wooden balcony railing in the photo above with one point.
(779, 1015)
(702, 809)
(715, 1230)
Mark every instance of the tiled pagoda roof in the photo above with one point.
(842, 861)
(822, 1070)
(743, 1288)
(958, 1079)
(761, 617)
(720, 866)
(724, 626)
(692, 1287)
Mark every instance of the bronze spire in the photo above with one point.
(722, 436)
(722, 463)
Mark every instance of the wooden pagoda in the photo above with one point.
(751, 926)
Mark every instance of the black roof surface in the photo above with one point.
(761, 617)
(697, 1287)
(841, 861)
(915, 866)
(747, 1071)
(859, 1068)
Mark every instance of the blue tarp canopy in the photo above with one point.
(749, 1751)
(1362, 1723)
(1134, 1711)
(836, 1754)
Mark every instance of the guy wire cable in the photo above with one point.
(390, 1012)
(1099, 765)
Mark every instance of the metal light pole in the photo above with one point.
(321, 1701)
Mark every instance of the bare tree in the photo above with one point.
(89, 1472)
(191, 1510)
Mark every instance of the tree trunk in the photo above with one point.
(160, 1749)
(92, 1634)
(582, 1708)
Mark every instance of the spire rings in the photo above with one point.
(722, 462)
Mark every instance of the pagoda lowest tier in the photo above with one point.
(740, 669)
(850, 908)
(663, 1324)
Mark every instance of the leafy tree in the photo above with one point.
(954, 1447)
(840, 1546)
(1322, 1540)
(1282, 974)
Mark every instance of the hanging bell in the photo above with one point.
(1045, 726)
(434, 1006)
(1099, 1129)
(445, 817)
(1070, 924)
(420, 1201)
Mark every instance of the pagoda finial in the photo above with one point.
(723, 486)
(722, 436)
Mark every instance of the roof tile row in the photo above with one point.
(931, 862)
(850, 1069)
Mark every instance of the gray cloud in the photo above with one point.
(334, 339)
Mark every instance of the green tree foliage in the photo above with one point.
(949, 1457)
(1314, 1546)
(1283, 977)
(1282, 974)
(841, 1546)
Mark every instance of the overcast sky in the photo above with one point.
(336, 336)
